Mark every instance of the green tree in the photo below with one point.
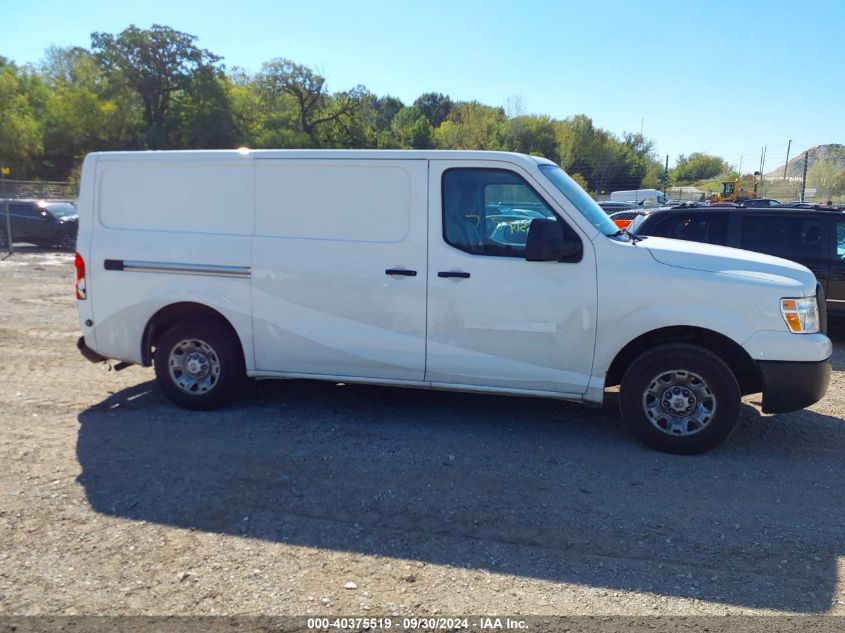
(582, 182)
(473, 126)
(697, 166)
(605, 161)
(654, 178)
(158, 63)
(384, 109)
(576, 141)
(531, 134)
(249, 117)
(84, 112)
(202, 114)
(411, 129)
(314, 106)
(827, 177)
(20, 131)
(435, 106)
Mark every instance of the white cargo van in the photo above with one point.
(473, 271)
(642, 197)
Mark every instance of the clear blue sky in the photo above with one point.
(696, 77)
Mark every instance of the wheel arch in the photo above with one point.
(744, 368)
(171, 314)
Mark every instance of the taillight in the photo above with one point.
(80, 276)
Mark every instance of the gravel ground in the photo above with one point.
(316, 498)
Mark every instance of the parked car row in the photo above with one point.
(41, 222)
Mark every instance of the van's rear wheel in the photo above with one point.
(680, 399)
(198, 364)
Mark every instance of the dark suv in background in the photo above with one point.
(41, 222)
(812, 237)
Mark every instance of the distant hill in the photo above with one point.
(795, 167)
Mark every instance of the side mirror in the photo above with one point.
(546, 243)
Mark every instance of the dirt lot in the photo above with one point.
(116, 502)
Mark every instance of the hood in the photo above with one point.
(729, 261)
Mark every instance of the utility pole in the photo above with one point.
(804, 178)
(740, 167)
(786, 164)
(666, 175)
(3, 171)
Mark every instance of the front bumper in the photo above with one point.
(87, 352)
(793, 385)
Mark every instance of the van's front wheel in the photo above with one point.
(197, 364)
(680, 399)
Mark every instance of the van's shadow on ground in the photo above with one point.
(530, 487)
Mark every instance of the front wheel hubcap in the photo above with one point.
(194, 366)
(679, 402)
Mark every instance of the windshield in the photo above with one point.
(60, 209)
(580, 199)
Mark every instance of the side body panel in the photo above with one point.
(326, 232)
(188, 211)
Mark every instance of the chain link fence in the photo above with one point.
(40, 190)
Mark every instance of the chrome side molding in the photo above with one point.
(207, 270)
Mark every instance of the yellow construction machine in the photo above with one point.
(733, 190)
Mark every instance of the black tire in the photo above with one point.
(223, 364)
(67, 242)
(677, 371)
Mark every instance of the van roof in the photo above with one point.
(363, 154)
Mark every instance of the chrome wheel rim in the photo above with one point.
(194, 366)
(679, 403)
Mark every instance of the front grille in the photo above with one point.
(820, 299)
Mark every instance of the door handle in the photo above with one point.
(453, 274)
(400, 271)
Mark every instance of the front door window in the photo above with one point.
(488, 211)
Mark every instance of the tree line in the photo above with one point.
(157, 89)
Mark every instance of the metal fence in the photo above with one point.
(40, 190)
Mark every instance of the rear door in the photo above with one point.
(495, 319)
(339, 267)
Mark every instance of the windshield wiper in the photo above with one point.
(631, 236)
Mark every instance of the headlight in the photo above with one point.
(801, 315)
